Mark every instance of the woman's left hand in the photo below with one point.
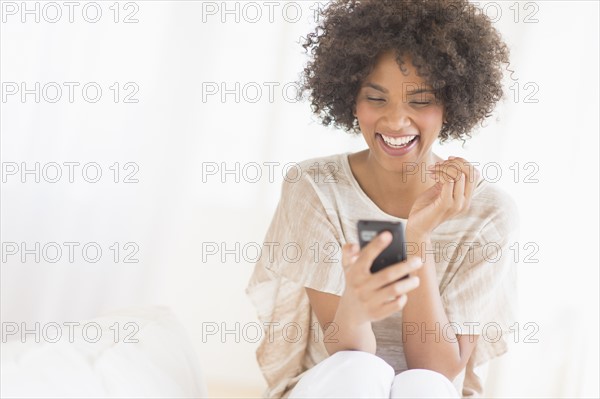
(451, 195)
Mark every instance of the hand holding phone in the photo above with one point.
(368, 295)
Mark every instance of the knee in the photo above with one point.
(425, 375)
(358, 366)
(358, 360)
(418, 382)
(348, 374)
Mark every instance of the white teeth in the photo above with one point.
(397, 141)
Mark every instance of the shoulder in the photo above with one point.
(492, 217)
(495, 212)
(314, 175)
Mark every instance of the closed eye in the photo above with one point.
(375, 99)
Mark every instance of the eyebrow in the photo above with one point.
(410, 93)
(384, 90)
(376, 87)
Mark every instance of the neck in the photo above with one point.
(405, 185)
(392, 192)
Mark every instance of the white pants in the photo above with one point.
(356, 374)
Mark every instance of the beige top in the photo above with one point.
(317, 214)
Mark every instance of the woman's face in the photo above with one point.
(398, 114)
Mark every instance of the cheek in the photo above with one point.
(366, 116)
(432, 119)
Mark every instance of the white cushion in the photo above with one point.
(163, 363)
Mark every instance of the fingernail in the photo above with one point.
(385, 236)
(416, 264)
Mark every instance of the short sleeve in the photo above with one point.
(482, 298)
(303, 242)
(301, 249)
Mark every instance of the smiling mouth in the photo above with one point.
(398, 142)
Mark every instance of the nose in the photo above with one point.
(397, 118)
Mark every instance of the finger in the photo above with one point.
(467, 168)
(470, 185)
(471, 179)
(445, 171)
(403, 301)
(394, 290)
(446, 194)
(445, 191)
(458, 196)
(390, 308)
(458, 193)
(472, 175)
(349, 254)
(394, 272)
(372, 250)
(453, 166)
(441, 176)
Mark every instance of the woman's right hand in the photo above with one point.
(370, 297)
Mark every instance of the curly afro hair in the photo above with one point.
(453, 46)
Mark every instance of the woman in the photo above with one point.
(403, 74)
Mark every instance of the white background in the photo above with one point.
(176, 131)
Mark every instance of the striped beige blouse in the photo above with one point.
(320, 203)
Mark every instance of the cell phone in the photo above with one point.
(393, 253)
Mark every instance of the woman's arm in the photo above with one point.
(367, 297)
(434, 346)
(340, 332)
(431, 345)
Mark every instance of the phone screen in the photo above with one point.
(394, 253)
